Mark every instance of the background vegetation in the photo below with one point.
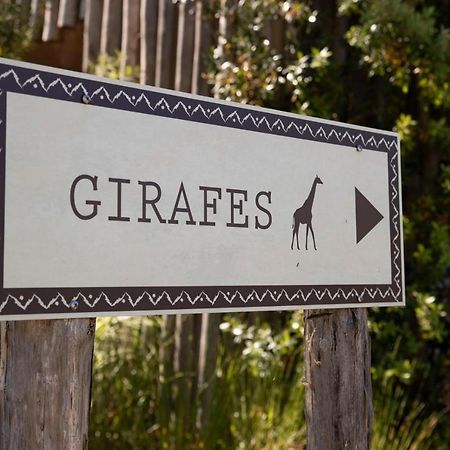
(379, 63)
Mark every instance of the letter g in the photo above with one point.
(95, 203)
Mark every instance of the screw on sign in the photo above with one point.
(73, 304)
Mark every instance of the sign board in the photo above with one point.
(118, 198)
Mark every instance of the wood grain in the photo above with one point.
(166, 43)
(50, 30)
(185, 46)
(92, 32)
(149, 24)
(338, 390)
(130, 36)
(45, 384)
(68, 13)
(111, 35)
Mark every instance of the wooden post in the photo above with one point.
(93, 12)
(205, 38)
(45, 384)
(338, 396)
(130, 36)
(36, 19)
(50, 31)
(166, 44)
(111, 34)
(185, 46)
(68, 13)
(149, 24)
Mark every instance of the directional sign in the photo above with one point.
(124, 199)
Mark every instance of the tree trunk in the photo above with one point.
(338, 393)
(45, 384)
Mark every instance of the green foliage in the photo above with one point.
(260, 371)
(401, 421)
(401, 40)
(256, 390)
(245, 66)
(125, 383)
(14, 30)
(109, 66)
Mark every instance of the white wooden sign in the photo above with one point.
(118, 198)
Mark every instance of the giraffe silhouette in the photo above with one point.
(304, 215)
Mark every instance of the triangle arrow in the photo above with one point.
(367, 216)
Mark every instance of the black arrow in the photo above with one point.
(367, 216)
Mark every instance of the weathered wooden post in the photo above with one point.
(338, 387)
(45, 383)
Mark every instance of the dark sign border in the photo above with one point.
(55, 302)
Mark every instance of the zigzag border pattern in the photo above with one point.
(163, 104)
(154, 300)
(303, 128)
